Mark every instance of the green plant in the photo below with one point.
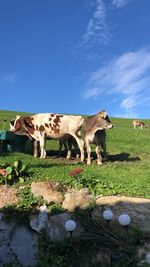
(52, 253)
(144, 265)
(27, 200)
(55, 209)
(107, 237)
(68, 253)
(88, 181)
(10, 173)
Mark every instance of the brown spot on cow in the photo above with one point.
(56, 131)
(56, 123)
(52, 115)
(29, 125)
(51, 126)
(31, 131)
(46, 125)
(50, 119)
(36, 127)
(41, 128)
(18, 125)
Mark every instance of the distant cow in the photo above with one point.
(138, 123)
(56, 126)
(92, 130)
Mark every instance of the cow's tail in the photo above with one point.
(79, 133)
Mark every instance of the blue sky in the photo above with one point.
(75, 56)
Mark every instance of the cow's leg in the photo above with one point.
(62, 142)
(35, 148)
(42, 141)
(88, 147)
(80, 143)
(103, 145)
(60, 147)
(76, 150)
(72, 143)
(65, 145)
(98, 153)
(69, 148)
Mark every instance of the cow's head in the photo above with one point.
(16, 125)
(21, 125)
(104, 121)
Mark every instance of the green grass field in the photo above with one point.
(127, 171)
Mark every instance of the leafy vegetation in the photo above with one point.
(10, 173)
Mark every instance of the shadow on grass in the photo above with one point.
(62, 154)
(62, 160)
(122, 157)
(116, 157)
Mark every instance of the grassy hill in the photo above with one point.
(127, 171)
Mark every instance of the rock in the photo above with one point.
(6, 254)
(75, 199)
(39, 222)
(137, 208)
(23, 245)
(48, 190)
(56, 227)
(8, 196)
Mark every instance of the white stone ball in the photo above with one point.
(70, 225)
(124, 219)
(108, 215)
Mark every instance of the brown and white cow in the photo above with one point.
(45, 125)
(138, 123)
(92, 128)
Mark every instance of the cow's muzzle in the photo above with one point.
(110, 126)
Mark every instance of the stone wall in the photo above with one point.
(18, 242)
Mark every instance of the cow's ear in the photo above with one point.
(103, 114)
(18, 117)
(27, 123)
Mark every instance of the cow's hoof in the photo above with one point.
(99, 163)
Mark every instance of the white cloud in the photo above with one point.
(97, 28)
(8, 77)
(119, 3)
(129, 102)
(126, 77)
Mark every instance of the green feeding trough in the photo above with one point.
(11, 142)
